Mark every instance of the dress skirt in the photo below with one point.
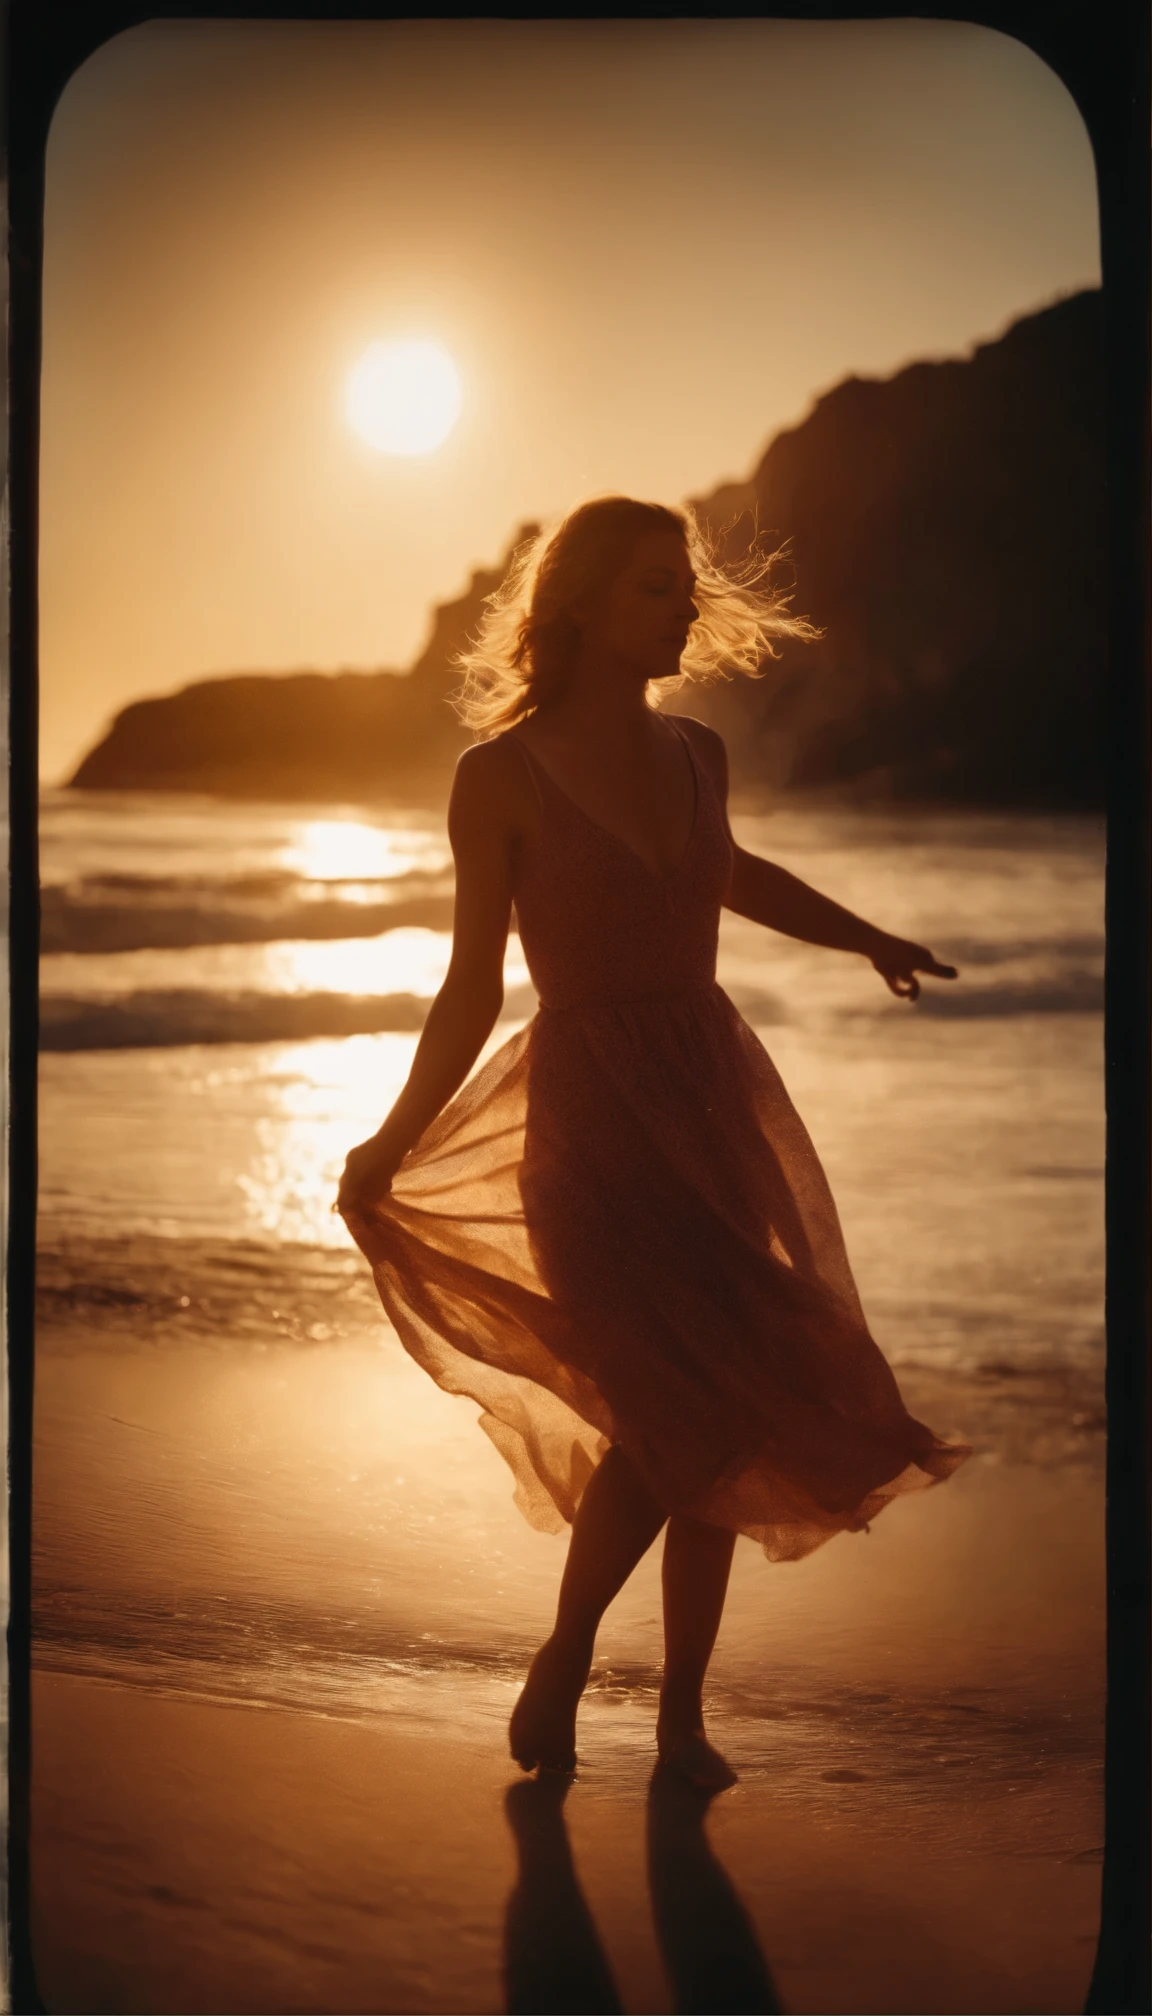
(619, 1232)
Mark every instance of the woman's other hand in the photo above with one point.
(898, 961)
(368, 1173)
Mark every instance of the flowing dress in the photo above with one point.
(618, 1231)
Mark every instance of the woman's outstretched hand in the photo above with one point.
(898, 961)
(368, 1173)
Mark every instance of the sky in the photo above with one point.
(646, 245)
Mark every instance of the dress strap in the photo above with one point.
(698, 769)
(530, 764)
(675, 721)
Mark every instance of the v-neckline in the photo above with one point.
(662, 875)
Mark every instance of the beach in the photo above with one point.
(284, 1601)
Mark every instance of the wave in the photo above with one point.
(135, 913)
(157, 1018)
(1075, 993)
(226, 1292)
(169, 1017)
(1062, 949)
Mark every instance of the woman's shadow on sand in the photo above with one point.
(553, 1958)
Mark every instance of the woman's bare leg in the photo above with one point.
(615, 1525)
(697, 1560)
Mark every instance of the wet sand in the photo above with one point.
(198, 1856)
(270, 1769)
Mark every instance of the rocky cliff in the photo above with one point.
(947, 530)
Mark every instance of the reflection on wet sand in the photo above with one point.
(553, 1959)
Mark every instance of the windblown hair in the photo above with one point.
(526, 643)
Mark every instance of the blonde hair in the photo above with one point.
(525, 646)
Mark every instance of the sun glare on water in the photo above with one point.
(403, 398)
(349, 850)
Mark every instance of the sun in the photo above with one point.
(403, 398)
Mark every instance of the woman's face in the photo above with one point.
(643, 618)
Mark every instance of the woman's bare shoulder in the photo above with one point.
(491, 787)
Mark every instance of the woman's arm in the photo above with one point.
(769, 895)
(465, 1010)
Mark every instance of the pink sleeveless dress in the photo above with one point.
(619, 1231)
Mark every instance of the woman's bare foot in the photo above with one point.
(692, 1757)
(682, 1744)
(542, 1732)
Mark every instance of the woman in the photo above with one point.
(618, 1237)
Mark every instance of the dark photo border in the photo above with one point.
(1102, 51)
